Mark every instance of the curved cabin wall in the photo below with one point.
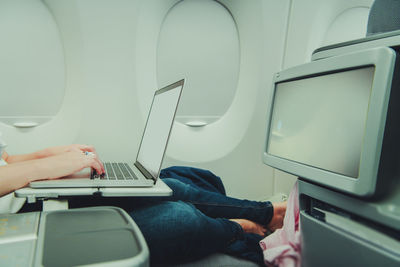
(87, 70)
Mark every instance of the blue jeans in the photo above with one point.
(193, 222)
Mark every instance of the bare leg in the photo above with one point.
(278, 216)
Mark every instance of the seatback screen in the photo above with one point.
(320, 121)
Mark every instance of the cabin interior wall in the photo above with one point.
(103, 105)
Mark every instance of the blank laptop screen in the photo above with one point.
(320, 121)
(159, 123)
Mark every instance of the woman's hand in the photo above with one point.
(53, 151)
(48, 152)
(21, 173)
(70, 162)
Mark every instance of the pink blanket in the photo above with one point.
(282, 248)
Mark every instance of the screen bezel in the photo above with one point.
(383, 59)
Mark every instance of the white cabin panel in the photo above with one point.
(112, 119)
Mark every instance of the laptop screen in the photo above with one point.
(158, 127)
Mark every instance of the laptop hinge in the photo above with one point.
(144, 171)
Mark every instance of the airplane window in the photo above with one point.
(32, 61)
(349, 25)
(205, 51)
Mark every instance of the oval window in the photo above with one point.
(199, 41)
(32, 71)
(349, 25)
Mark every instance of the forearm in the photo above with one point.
(18, 175)
(44, 153)
(47, 152)
(22, 157)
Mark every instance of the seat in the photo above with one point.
(218, 260)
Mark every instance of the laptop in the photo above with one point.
(145, 170)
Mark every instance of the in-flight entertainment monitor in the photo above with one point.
(331, 121)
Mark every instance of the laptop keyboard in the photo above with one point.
(115, 171)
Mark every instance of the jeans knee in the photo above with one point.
(174, 184)
(179, 189)
(186, 216)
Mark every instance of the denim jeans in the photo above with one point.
(192, 223)
(217, 205)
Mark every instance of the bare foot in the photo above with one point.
(250, 226)
(279, 214)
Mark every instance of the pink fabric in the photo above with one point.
(282, 248)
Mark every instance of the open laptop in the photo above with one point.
(146, 169)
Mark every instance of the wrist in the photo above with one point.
(39, 170)
(44, 153)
